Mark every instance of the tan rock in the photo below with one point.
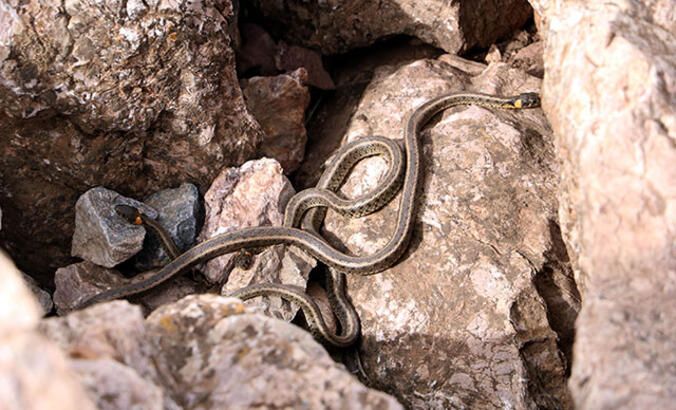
(219, 359)
(108, 349)
(609, 94)
(202, 352)
(21, 312)
(459, 322)
(254, 194)
(34, 374)
(117, 387)
(257, 52)
(112, 330)
(273, 265)
(290, 58)
(530, 59)
(326, 125)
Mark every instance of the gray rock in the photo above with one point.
(458, 322)
(180, 213)
(254, 194)
(102, 236)
(79, 281)
(609, 94)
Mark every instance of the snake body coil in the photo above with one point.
(324, 197)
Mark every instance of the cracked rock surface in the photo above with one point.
(254, 194)
(609, 94)
(134, 96)
(279, 104)
(203, 352)
(459, 321)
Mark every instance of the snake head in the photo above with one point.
(131, 214)
(526, 100)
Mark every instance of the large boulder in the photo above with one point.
(609, 94)
(203, 352)
(463, 320)
(133, 96)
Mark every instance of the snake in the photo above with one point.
(134, 216)
(313, 243)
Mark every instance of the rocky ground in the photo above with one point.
(541, 267)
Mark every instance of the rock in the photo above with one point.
(247, 361)
(257, 54)
(493, 55)
(115, 386)
(202, 352)
(459, 322)
(609, 94)
(108, 348)
(261, 56)
(43, 297)
(180, 214)
(79, 281)
(254, 194)
(33, 372)
(42, 382)
(113, 330)
(326, 126)
(273, 265)
(136, 97)
(290, 58)
(279, 104)
(338, 26)
(101, 235)
(529, 59)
